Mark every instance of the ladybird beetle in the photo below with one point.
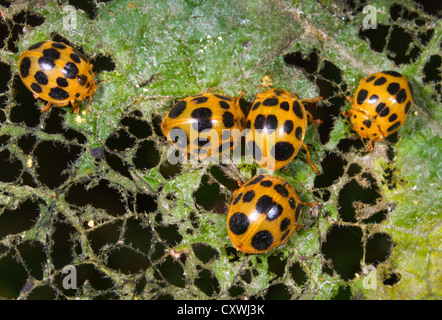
(380, 105)
(276, 126)
(204, 124)
(264, 212)
(57, 73)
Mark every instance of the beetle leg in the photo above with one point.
(311, 120)
(76, 106)
(47, 107)
(304, 146)
(309, 204)
(312, 100)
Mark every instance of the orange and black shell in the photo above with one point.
(264, 212)
(276, 126)
(381, 104)
(57, 73)
(205, 124)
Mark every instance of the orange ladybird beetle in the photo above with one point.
(276, 126)
(204, 124)
(264, 212)
(380, 105)
(57, 73)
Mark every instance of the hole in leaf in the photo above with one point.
(209, 197)
(100, 196)
(378, 248)
(137, 235)
(207, 282)
(277, 292)
(147, 156)
(10, 167)
(298, 274)
(169, 234)
(343, 246)
(11, 285)
(204, 252)
(332, 167)
(127, 260)
(53, 158)
(172, 271)
(391, 278)
(13, 221)
(120, 141)
(88, 6)
(139, 128)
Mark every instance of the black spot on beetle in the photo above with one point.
(292, 203)
(46, 64)
(262, 240)
(284, 236)
(238, 197)
(238, 223)
(367, 123)
(36, 45)
(393, 88)
(36, 87)
(297, 109)
(270, 102)
(401, 96)
(58, 45)
(41, 77)
(393, 117)
(392, 73)
(382, 109)
(380, 81)
(25, 65)
(264, 204)
(75, 58)
(284, 106)
(284, 224)
(222, 97)
(256, 105)
(199, 100)
(407, 107)
(288, 126)
(266, 183)
(51, 54)
(394, 126)
(202, 142)
(179, 137)
(62, 82)
(271, 122)
(259, 122)
(70, 70)
(58, 94)
(255, 180)
(248, 196)
(177, 110)
(82, 80)
(362, 95)
(228, 119)
(298, 211)
(282, 190)
(224, 105)
(373, 99)
(203, 117)
(298, 133)
(282, 151)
